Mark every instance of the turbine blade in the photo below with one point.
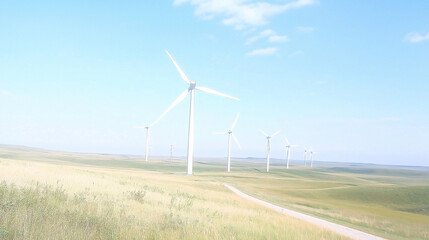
(235, 121)
(287, 141)
(139, 127)
(266, 135)
(211, 91)
(236, 140)
(178, 100)
(220, 133)
(294, 145)
(182, 74)
(276, 133)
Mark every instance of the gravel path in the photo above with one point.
(342, 230)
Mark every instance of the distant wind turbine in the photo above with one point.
(288, 147)
(148, 136)
(191, 89)
(269, 146)
(305, 157)
(311, 157)
(229, 132)
(171, 151)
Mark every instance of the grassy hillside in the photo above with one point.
(393, 203)
(164, 203)
(48, 195)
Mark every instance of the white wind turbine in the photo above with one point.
(311, 157)
(171, 152)
(288, 147)
(269, 146)
(148, 136)
(305, 157)
(229, 132)
(191, 89)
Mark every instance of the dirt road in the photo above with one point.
(342, 230)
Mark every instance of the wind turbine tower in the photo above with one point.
(230, 134)
(192, 86)
(148, 127)
(311, 157)
(171, 152)
(288, 147)
(269, 146)
(305, 157)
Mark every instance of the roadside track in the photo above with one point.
(340, 229)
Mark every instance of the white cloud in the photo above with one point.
(277, 38)
(416, 37)
(241, 13)
(305, 29)
(267, 33)
(262, 52)
(270, 35)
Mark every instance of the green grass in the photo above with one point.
(45, 195)
(32, 212)
(388, 202)
(392, 202)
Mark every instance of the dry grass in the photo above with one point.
(392, 204)
(50, 201)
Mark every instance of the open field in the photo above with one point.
(107, 196)
(392, 203)
(44, 195)
(338, 228)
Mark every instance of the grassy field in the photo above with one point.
(392, 203)
(76, 196)
(51, 195)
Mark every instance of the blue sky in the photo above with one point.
(348, 78)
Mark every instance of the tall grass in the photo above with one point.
(156, 201)
(45, 201)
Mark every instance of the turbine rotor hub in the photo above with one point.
(192, 85)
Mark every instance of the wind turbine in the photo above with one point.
(268, 146)
(148, 136)
(288, 147)
(305, 157)
(191, 89)
(311, 157)
(229, 132)
(171, 152)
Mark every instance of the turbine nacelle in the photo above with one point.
(269, 136)
(192, 85)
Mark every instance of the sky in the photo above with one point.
(348, 78)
